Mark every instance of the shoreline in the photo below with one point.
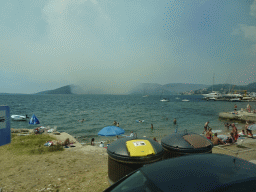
(80, 168)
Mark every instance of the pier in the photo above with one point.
(239, 116)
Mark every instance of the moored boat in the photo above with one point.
(19, 117)
(235, 100)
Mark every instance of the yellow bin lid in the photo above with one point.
(139, 148)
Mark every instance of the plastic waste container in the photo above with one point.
(179, 144)
(128, 154)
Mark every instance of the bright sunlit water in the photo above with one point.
(99, 111)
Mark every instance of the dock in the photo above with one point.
(239, 116)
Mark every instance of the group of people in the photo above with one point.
(116, 123)
(232, 138)
(93, 144)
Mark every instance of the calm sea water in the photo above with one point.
(99, 111)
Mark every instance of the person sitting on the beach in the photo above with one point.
(101, 144)
(235, 112)
(92, 142)
(216, 140)
(209, 134)
(36, 130)
(249, 133)
(132, 134)
(114, 122)
(66, 142)
(230, 139)
(242, 134)
(248, 130)
(117, 124)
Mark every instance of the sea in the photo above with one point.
(99, 111)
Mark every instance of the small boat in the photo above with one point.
(164, 100)
(185, 100)
(177, 98)
(19, 117)
(145, 96)
(235, 100)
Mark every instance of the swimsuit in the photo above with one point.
(209, 137)
(236, 137)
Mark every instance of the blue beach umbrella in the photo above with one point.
(111, 131)
(34, 120)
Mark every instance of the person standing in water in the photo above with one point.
(174, 121)
(152, 127)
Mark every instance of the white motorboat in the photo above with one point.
(213, 94)
(185, 100)
(246, 98)
(164, 100)
(145, 96)
(177, 98)
(235, 100)
(19, 117)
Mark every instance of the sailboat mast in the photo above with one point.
(213, 82)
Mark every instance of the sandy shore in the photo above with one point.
(80, 168)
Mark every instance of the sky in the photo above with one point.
(114, 45)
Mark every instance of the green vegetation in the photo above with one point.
(31, 144)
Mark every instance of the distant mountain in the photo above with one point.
(62, 90)
(167, 89)
(226, 88)
(13, 94)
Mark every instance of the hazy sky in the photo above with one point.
(112, 45)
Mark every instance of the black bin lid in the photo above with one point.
(186, 142)
(118, 150)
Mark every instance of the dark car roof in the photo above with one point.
(203, 172)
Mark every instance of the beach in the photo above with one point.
(79, 168)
